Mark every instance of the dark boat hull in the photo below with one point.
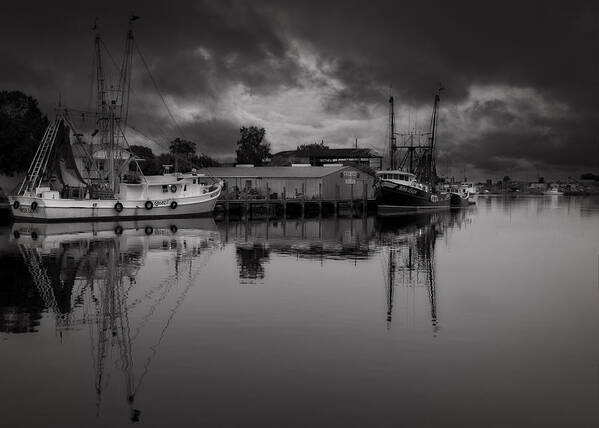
(400, 199)
(458, 201)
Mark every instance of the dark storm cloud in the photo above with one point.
(414, 45)
(199, 50)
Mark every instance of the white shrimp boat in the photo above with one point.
(66, 180)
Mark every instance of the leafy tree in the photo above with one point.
(506, 179)
(142, 152)
(22, 126)
(165, 159)
(251, 148)
(313, 148)
(204, 161)
(182, 147)
(182, 153)
(149, 164)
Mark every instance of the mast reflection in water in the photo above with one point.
(86, 276)
(407, 246)
(351, 322)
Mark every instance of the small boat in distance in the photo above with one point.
(101, 179)
(553, 191)
(410, 185)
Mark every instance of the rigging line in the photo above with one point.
(109, 55)
(128, 146)
(115, 65)
(161, 97)
(175, 155)
(143, 60)
(158, 143)
(92, 80)
(178, 303)
(169, 282)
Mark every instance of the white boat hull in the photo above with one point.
(106, 209)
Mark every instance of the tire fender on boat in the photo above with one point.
(118, 230)
(33, 206)
(118, 207)
(149, 205)
(174, 228)
(174, 204)
(149, 230)
(16, 204)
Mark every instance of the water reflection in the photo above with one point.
(85, 276)
(407, 246)
(110, 319)
(312, 239)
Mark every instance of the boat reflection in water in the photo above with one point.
(407, 246)
(86, 275)
(124, 283)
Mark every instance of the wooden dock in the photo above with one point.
(261, 208)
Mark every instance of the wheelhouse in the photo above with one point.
(396, 176)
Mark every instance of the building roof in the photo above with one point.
(318, 152)
(274, 171)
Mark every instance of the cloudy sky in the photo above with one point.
(521, 78)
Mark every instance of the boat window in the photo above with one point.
(185, 187)
(194, 181)
(164, 188)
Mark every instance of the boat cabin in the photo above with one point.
(401, 177)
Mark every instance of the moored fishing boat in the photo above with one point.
(410, 184)
(64, 184)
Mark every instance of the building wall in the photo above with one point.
(331, 187)
(337, 185)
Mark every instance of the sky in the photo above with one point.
(521, 78)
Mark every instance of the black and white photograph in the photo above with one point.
(285, 213)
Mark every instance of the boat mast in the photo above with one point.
(100, 91)
(125, 76)
(432, 168)
(392, 137)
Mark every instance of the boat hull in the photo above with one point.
(106, 209)
(398, 199)
(458, 201)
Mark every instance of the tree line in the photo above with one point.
(22, 126)
(182, 156)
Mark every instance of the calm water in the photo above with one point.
(485, 317)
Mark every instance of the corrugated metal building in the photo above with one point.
(297, 182)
